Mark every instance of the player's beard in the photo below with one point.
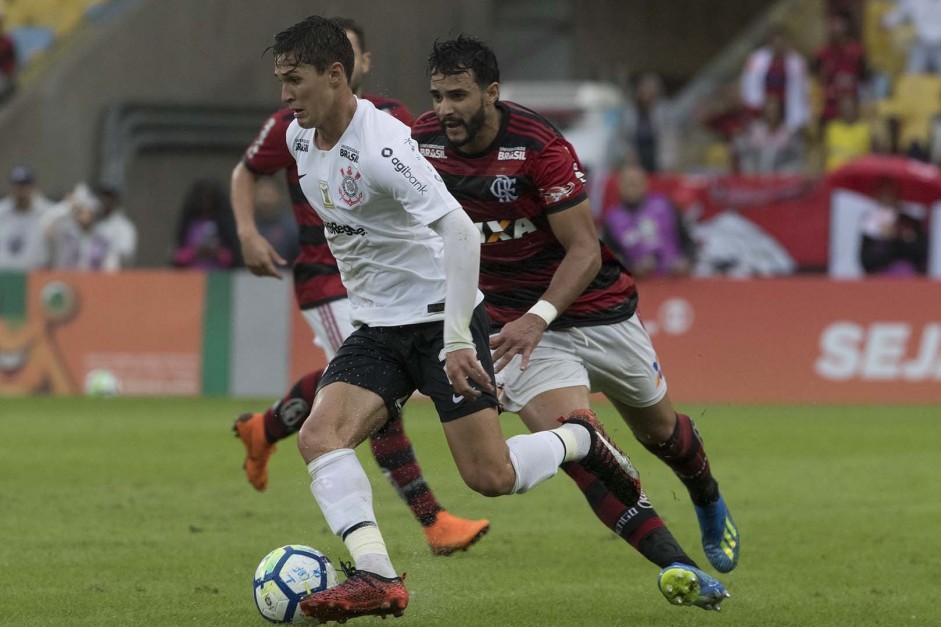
(471, 127)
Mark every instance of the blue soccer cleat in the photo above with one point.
(682, 584)
(720, 539)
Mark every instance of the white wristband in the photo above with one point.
(545, 310)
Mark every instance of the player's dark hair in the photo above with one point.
(316, 41)
(353, 26)
(463, 54)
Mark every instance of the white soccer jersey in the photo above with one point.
(377, 195)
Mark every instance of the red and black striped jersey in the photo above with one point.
(316, 276)
(509, 189)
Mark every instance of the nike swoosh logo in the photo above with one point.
(300, 176)
(456, 398)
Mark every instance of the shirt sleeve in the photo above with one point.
(399, 169)
(268, 153)
(559, 177)
(401, 113)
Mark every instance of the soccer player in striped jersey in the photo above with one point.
(563, 307)
(324, 304)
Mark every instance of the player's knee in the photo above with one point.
(651, 425)
(491, 482)
(312, 441)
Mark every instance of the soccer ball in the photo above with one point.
(101, 383)
(287, 575)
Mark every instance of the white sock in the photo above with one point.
(369, 550)
(577, 440)
(535, 458)
(341, 488)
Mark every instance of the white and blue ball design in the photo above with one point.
(287, 575)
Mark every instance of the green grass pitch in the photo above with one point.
(136, 512)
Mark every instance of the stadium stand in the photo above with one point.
(35, 25)
(915, 100)
(885, 49)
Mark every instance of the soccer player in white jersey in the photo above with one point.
(409, 257)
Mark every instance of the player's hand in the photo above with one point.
(260, 257)
(517, 338)
(464, 370)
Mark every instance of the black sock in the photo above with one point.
(660, 547)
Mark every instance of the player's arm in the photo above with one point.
(461, 269)
(575, 230)
(260, 257)
(559, 177)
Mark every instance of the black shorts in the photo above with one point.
(393, 362)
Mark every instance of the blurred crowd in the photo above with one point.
(85, 230)
(89, 230)
(790, 112)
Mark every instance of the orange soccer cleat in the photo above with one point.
(250, 429)
(450, 533)
(362, 594)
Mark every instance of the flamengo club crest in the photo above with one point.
(504, 188)
(350, 192)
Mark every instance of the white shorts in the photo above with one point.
(616, 359)
(331, 324)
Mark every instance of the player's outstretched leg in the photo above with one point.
(637, 523)
(362, 594)
(683, 584)
(445, 532)
(259, 431)
(685, 454)
(605, 460)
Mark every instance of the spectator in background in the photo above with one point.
(777, 72)
(894, 240)
(848, 136)
(840, 65)
(645, 230)
(7, 61)
(74, 241)
(275, 221)
(114, 225)
(22, 216)
(205, 235)
(647, 131)
(768, 145)
(723, 111)
(925, 16)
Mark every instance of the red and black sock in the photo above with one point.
(396, 458)
(289, 413)
(638, 523)
(683, 452)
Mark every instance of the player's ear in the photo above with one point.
(492, 93)
(336, 73)
(366, 62)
